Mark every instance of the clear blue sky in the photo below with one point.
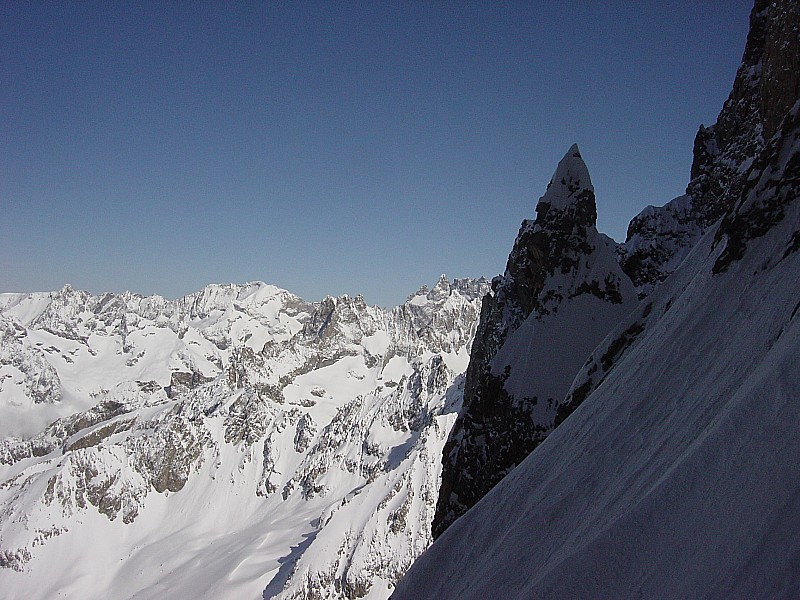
(333, 147)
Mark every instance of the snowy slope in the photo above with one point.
(677, 476)
(240, 442)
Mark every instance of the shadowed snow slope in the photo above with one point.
(677, 476)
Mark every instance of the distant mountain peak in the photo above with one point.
(441, 290)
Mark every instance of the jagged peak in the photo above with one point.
(466, 287)
(442, 285)
(571, 177)
(66, 290)
(422, 291)
(570, 194)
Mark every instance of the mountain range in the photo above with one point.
(601, 420)
(237, 442)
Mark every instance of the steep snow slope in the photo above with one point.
(241, 442)
(676, 477)
(561, 293)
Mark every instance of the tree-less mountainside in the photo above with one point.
(499, 427)
(669, 468)
(238, 442)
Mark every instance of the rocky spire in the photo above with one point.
(441, 290)
(570, 195)
(559, 272)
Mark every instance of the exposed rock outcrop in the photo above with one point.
(561, 292)
(766, 86)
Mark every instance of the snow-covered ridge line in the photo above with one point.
(316, 427)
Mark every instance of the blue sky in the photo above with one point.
(333, 147)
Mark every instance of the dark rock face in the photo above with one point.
(181, 381)
(488, 408)
(721, 151)
(780, 77)
(658, 240)
(739, 185)
(771, 182)
(766, 86)
(556, 259)
(772, 185)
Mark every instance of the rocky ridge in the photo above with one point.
(766, 84)
(561, 277)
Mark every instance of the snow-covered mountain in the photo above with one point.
(561, 293)
(239, 442)
(671, 471)
(625, 423)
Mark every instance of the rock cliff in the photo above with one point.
(766, 84)
(562, 291)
